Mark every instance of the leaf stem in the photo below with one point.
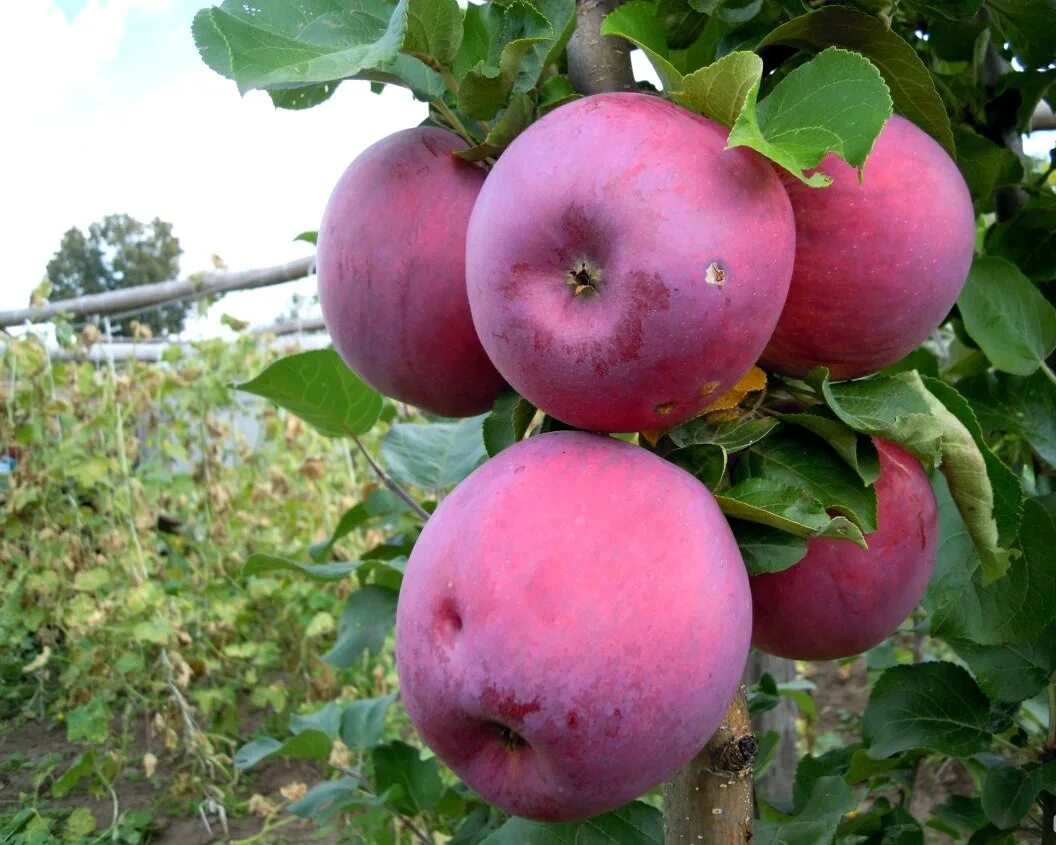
(1049, 374)
(453, 120)
(445, 74)
(385, 479)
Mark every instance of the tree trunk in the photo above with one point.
(711, 799)
(597, 62)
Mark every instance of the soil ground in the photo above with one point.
(175, 822)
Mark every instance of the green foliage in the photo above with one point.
(836, 102)
(119, 252)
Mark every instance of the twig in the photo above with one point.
(383, 476)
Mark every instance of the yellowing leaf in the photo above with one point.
(751, 383)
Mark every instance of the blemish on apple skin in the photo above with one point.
(665, 408)
(708, 388)
(572, 719)
(715, 274)
(507, 707)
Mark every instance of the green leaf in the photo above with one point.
(408, 72)
(719, 91)
(318, 387)
(92, 580)
(1028, 240)
(520, 37)
(633, 824)
(837, 102)
(1028, 26)
(81, 768)
(1024, 406)
(79, 824)
(555, 92)
(378, 503)
(707, 462)
(434, 29)
(732, 436)
(1007, 491)
(1016, 608)
(325, 800)
(902, 410)
(89, 722)
(1009, 793)
(767, 549)
(783, 506)
(307, 745)
(434, 456)
(1010, 672)
(363, 721)
(816, 820)
(303, 97)
(1007, 316)
(369, 615)
(985, 165)
(908, 79)
(259, 564)
(400, 765)
(936, 706)
(858, 451)
(513, 120)
(326, 720)
(507, 423)
(638, 23)
(275, 44)
(799, 461)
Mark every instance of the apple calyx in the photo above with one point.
(583, 278)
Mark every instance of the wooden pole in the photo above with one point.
(711, 800)
(198, 286)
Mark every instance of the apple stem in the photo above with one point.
(711, 799)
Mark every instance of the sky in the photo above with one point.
(123, 117)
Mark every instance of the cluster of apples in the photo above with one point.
(576, 615)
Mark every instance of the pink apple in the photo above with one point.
(841, 599)
(624, 268)
(879, 262)
(573, 622)
(392, 280)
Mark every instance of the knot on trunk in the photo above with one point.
(737, 754)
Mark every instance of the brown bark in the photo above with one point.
(711, 799)
(597, 62)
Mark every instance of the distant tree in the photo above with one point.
(119, 252)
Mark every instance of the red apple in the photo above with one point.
(624, 268)
(573, 622)
(879, 262)
(392, 280)
(841, 599)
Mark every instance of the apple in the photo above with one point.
(879, 261)
(573, 622)
(625, 269)
(841, 599)
(392, 281)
